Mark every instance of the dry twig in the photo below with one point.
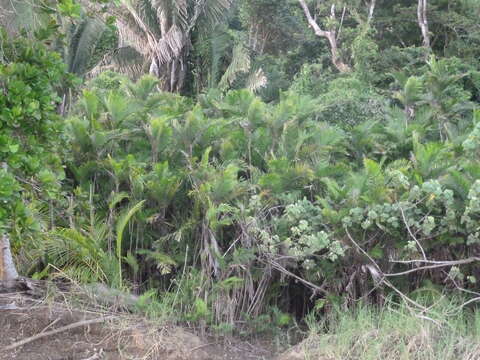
(56, 331)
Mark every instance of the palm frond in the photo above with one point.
(216, 10)
(170, 46)
(147, 10)
(126, 60)
(118, 108)
(121, 224)
(78, 254)
(413, 90)
(241, 63)
(180, 13)
(257, 80)
(133, 29)
(163, 261)
(82, 44)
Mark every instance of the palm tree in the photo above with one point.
(156, 36)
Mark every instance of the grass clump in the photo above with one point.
(393, 332)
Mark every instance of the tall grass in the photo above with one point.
(395, 332)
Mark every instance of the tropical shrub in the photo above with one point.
(31, 136)
(241, 189)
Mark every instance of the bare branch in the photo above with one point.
(446, 262)
(378, 275)
(435, 266)
(280, 268)
(311, 21)
(411, 234)
(57, 331)
(470, 301)
(330, 35)
(363, 252)
(341, 22)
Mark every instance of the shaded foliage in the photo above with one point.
(279, 174)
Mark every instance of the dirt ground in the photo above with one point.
(64, 333)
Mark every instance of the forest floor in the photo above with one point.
(58, 330)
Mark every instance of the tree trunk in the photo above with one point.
(330, 35)
(371, 9)
(172, 74)
(339, 64)
(8, 272)
(423, 22)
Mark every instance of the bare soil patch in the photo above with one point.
(65, 333)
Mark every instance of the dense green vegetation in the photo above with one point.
(227, 159)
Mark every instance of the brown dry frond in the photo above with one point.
(170, 46)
